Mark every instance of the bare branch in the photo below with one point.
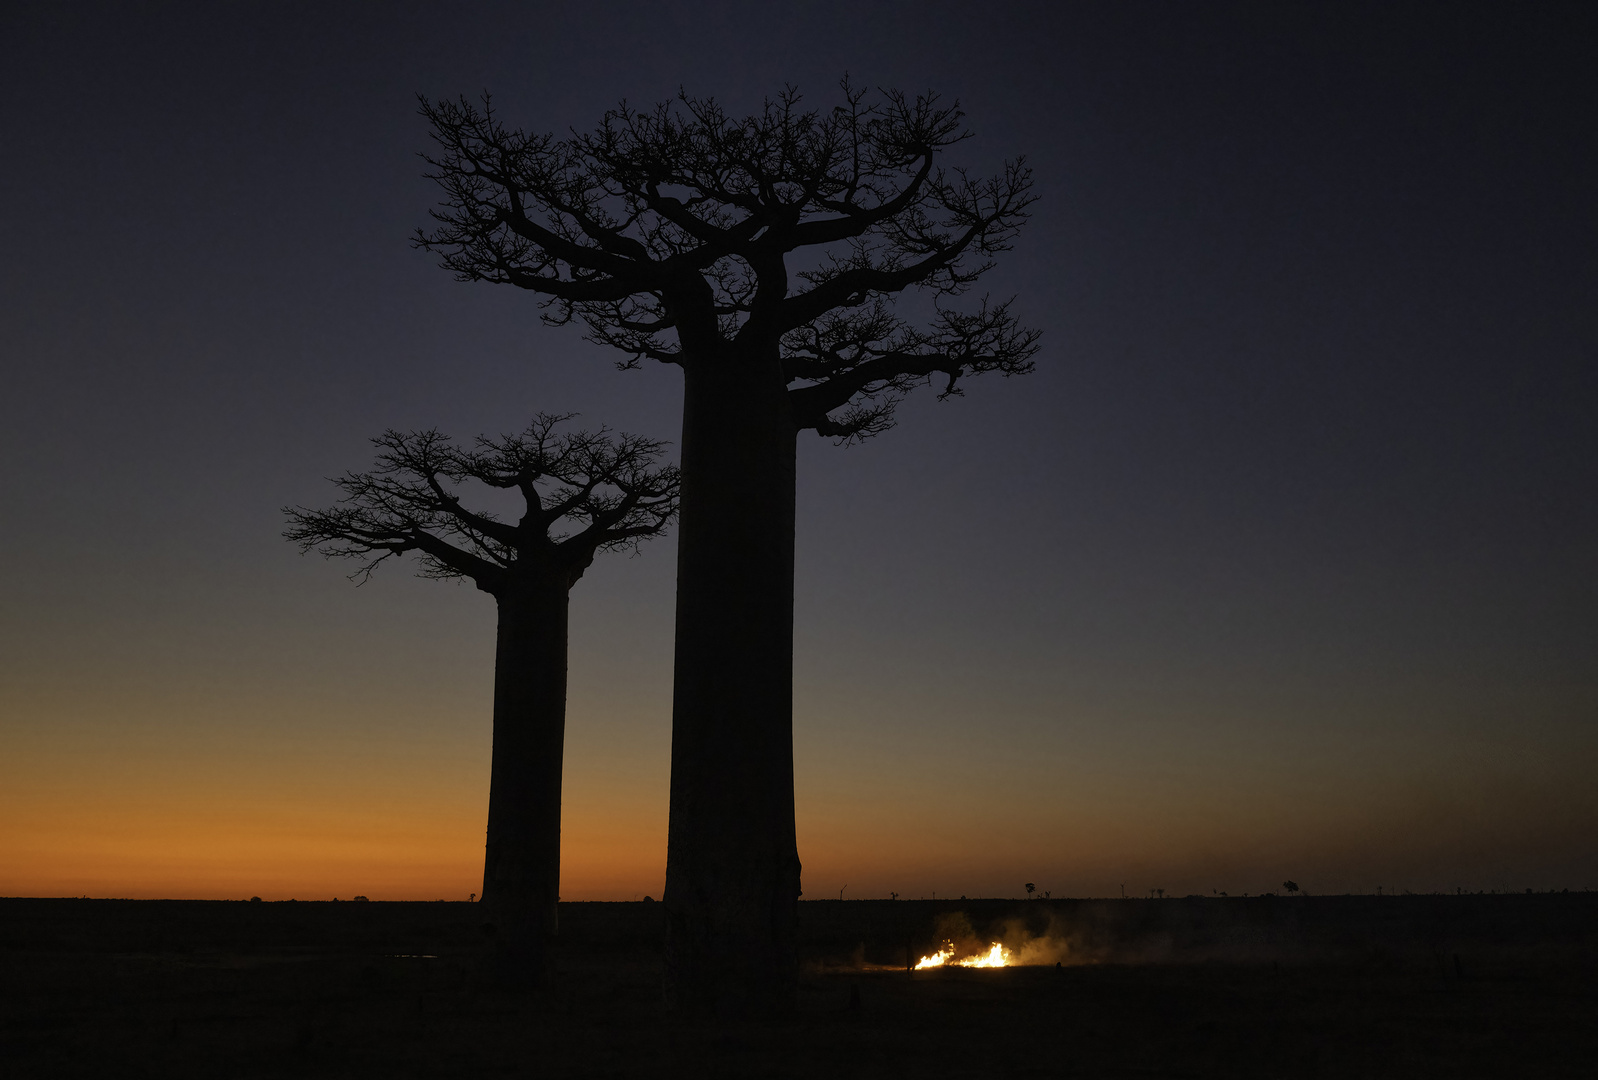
(864, 362)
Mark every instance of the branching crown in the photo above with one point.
(668, 233)
(584, 492)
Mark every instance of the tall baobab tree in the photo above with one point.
(584, 492)
(761, 255)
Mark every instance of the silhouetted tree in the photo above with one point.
(760, 255)
(1290, 886)
(1029, 889)
(584, 492)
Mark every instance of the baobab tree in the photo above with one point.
(762, 255)
(584, 492)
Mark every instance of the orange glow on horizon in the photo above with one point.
(131, 805)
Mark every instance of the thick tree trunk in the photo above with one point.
(521, 874)
(732, 862)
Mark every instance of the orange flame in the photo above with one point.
(994, 957)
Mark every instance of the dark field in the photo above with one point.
(1503, 986)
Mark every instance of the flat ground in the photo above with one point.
(1324, 987)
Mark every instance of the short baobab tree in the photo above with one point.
(584, 492)
(762, 255)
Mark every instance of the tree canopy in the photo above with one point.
(584, 492)
(668, 233)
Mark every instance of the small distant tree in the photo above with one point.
(1029, 887)
(1290, 886)
(583, 493)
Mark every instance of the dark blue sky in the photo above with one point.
(1284, 562)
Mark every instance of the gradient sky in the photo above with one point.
(1283, 564)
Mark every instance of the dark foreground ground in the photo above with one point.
(1502, 986)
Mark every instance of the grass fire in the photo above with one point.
(996, 956)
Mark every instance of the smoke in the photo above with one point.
(1188, 930)
(1023, 945)
(1047, 938)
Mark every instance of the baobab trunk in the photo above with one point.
(521, 874)
(732, 862)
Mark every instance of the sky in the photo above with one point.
(1283, 563)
